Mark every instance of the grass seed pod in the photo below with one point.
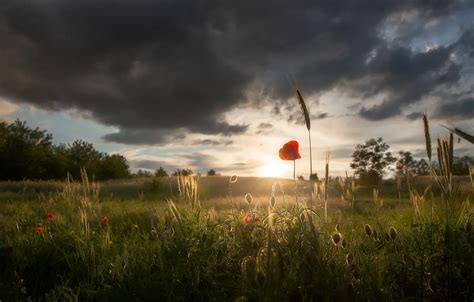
(248, 198)
(368, 229)
(393, 233)
(336, 238)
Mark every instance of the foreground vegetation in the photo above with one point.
(77, 241)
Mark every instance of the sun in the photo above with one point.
(272, 168)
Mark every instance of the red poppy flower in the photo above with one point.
(289, 151)
(105, 220)
(249, 218)
(39, 230)
(50, 216)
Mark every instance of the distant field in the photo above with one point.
(141, 239)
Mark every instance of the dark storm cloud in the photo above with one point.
(414, 116)
(153, 67)
(145, 137)
(212, 142)
(264, 128)
(460, 109)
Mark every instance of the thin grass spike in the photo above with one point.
(427, 136)
(304, 109)
(308, 126)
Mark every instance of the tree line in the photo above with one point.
(27, 153)
(373, 159)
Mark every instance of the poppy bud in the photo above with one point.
(368, 229)
(248, 198)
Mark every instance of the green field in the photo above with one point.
(166, 241)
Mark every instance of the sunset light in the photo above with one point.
(274, 168)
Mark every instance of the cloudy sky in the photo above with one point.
(209, 84)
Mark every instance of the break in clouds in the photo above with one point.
(159, 70)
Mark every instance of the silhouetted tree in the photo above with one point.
(421, 167)
(29, 153)
(143, 173)
(405, 162)
(211, 172)
(161, 172)
(371, 160)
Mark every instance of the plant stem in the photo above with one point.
(310, 156)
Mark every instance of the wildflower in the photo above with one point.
(249, 218)
(289, 151)
(105, 220)
(39, 229)
(50, 216)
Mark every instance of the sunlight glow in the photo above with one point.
(272, 168)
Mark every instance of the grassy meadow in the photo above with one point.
(206, 239)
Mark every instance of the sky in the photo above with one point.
(211, 84)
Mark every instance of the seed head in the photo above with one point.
(393, 233)
(272, 201)
(233, 179)
(336, 238)
(248, 198)
(368, 229)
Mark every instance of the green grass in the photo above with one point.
(159, 251)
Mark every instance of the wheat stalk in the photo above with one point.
(307, 120)
(427, 137)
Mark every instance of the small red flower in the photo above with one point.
(39, 229)
(249, 218)
(105, 220)
(289, 151)
(50, 216)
